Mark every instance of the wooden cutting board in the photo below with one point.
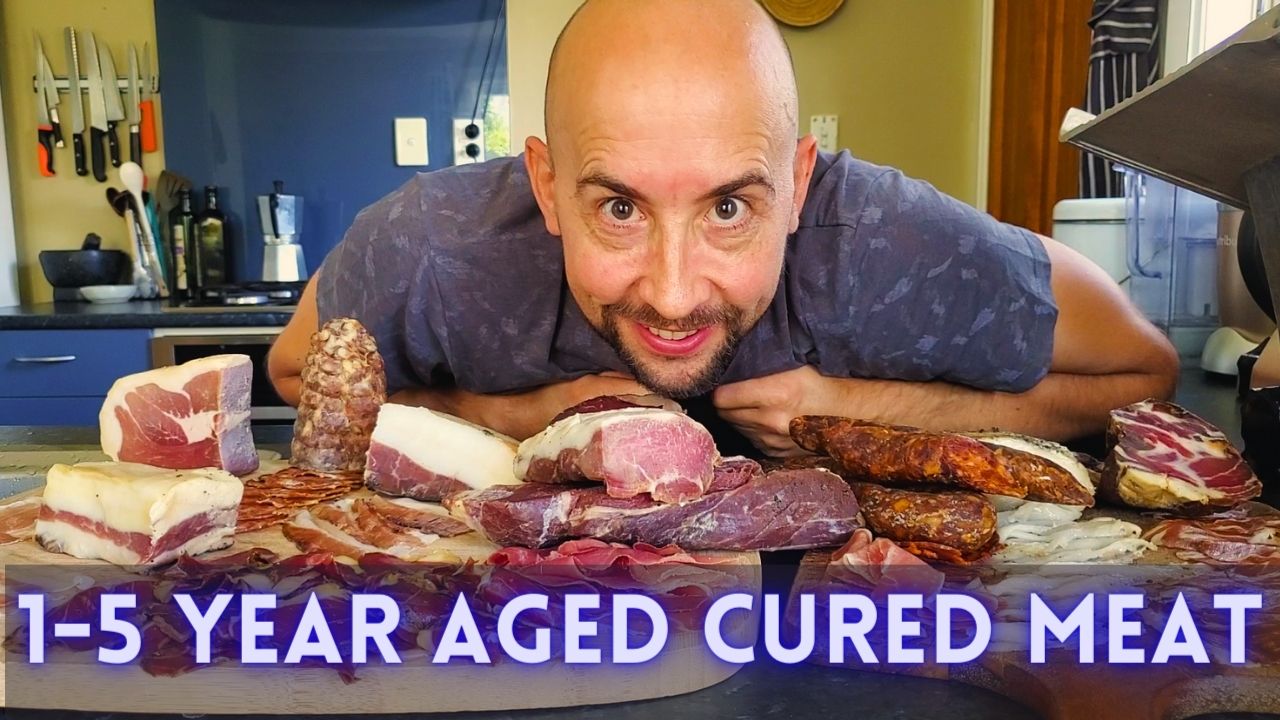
(1070, 691)
(74, 681)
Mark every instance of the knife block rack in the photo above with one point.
(63, 84)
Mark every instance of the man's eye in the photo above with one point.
(620, 209)
(728, 209)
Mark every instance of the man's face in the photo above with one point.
(674, 221)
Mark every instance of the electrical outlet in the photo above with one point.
(826, 129)
(411, 141)
(468, 141)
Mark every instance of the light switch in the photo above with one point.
(826, 129)
(411, 141)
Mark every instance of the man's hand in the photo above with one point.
(762, 408)
(520, 414)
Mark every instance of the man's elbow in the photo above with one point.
(1161, 369)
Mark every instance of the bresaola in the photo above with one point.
(744, 509)
(633, 449)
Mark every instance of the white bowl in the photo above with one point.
(108, 293)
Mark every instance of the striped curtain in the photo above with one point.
(1123, 59)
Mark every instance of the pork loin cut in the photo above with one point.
(192, 415)
(1164, 457)
(131, 514)
(417, 453)
(633, 450)
(749, 510)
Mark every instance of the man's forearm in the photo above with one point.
(503, 413)
(1060, 407)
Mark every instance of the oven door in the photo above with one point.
(174, 346)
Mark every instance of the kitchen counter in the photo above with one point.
(763, 688)
(136, 314)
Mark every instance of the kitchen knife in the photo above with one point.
(74, 88)
(133, 115)
(44, 123)
(150, 84)
(51, 99)
(111, 93)
(97, 112)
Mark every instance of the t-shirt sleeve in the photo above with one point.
(380, 275)
(933, 289)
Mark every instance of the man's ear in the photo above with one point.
(806, 157)
(542, 177)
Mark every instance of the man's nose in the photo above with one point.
(674, 284)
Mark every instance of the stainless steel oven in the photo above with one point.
(174, 346)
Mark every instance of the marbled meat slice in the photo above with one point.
(343, 385)
(1223, 542)
(1164, 457)
(423, 454)
(785, 509)
(311, 534)
(426, 517)
(359, 521)
(273, 498)
(889, 454)
(633, 450)
(880, 565)
(961, 520)
(193, 415)
(18, 519)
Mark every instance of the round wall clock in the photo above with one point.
(801, 13)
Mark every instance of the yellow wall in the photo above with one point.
(904, 76)
(56, 213)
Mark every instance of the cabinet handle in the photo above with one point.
(46, 359)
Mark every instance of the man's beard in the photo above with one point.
(726, 316)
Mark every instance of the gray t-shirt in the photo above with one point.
(458, 280)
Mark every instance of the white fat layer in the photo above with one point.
(446, 445)
(420, 506)
(174, 379)
(82, 544)
(576, 431)
(1140, 488)
(131, 497)
(1053, 452)
(1047, 533)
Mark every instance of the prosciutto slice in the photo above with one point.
(1163, 457)
(632, 449)
(879, 565)
(192, 415)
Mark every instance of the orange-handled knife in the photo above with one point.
(148, 126)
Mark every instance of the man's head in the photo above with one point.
(673, 175)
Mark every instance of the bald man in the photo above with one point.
(673, 236)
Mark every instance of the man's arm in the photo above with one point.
(518, 415)
(1105, 355)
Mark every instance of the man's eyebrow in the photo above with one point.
(609, 183)
(746, 180)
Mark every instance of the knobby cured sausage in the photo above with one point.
(343, 386)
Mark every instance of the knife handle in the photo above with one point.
(113, 144)
(77, 145)
(57, 128)
(135, 144)
(148, 126)
(97, 156)
(44, 149)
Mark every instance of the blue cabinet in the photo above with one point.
(60, 377)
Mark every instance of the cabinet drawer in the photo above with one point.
(50, 410)
(69, 363)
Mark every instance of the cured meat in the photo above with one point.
(187, 416)
(359, 521)
(1044, 534)
(273, 498)
(890, 454)
(1051, 472)
(422, 454)
(633, 450)
(131, 514)
(18, 520)
(1221, 541)
(617, 402)
(417, 515)
(343, 385)
(880, 565)
(785, 509)
(961, 520)
(1164, 457)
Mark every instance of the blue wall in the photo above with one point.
(305, 91)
